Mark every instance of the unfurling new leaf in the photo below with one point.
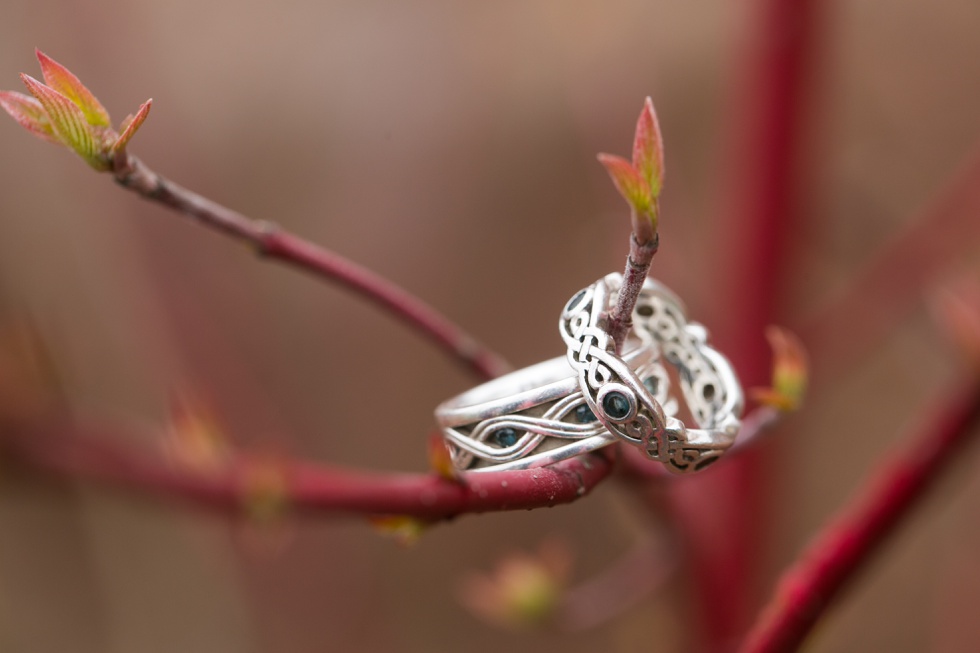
(29, 113)
(64, 81)
(790, 372)
(648, 148)
(640, 182)
(62, 110)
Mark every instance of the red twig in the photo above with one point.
(849, 540)
(273, 242)
(639, 182)
(643, 247)
(888, 286)
(766, 129)
(92, 456)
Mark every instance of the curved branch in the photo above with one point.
(850, 539)
(102, 457)
(888, 287)
(273, 242)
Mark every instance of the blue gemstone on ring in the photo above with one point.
(574, 300)
(616, 405)
(651, 383)
(584, 414)
(505, 437)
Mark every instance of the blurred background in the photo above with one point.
(450, 146)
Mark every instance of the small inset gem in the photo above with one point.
(574, 300)
(651, 383)
(584, 415)
(616, 405)
(505, 437)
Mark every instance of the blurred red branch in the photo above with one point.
(849, 540)
(101, 457)
(643, 247)
(766, 138)
(273, 242)
(887, 287)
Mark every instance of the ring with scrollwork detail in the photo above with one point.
(626, 404)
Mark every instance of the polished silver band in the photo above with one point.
(529, 418)
(593, 397)
(625, 403)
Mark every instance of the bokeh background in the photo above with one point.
(449, 146)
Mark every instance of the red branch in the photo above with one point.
(888, 287)
(273, 242)
(849, 540)
(766, 129)
(643, 247)
(95, 456)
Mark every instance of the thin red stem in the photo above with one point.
(849, 541)
(273, 242)
(766, 142)
(644, 243)
(888, 287)
(68, 452)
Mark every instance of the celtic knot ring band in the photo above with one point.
(623, 401)
(594, 397)
(532, 417)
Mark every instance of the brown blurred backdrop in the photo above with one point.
(449, 146)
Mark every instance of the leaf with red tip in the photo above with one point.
(957, 310)
(628, 181)
(266, 489)
(648, 148)
(405, 530)
(523, 591)
(29, 113)
(64, 81)
(129, 127)
(440, 459)
(196, 441)
(789, 374)
(68, 122)
(30, 381)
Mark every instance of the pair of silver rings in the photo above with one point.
(593, 397)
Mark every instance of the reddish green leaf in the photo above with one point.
(405, 530)
(790, 372)
(265, 483)
(64, 81)
(129, 127)
(648, 148)
(523, 591)
(958, 311)
(29, 113)
(440, 460)
(68, 122)
(633, 187)
(196, 441)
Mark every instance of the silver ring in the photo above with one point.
(593, 397)
(625, 403)
(530, 418)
